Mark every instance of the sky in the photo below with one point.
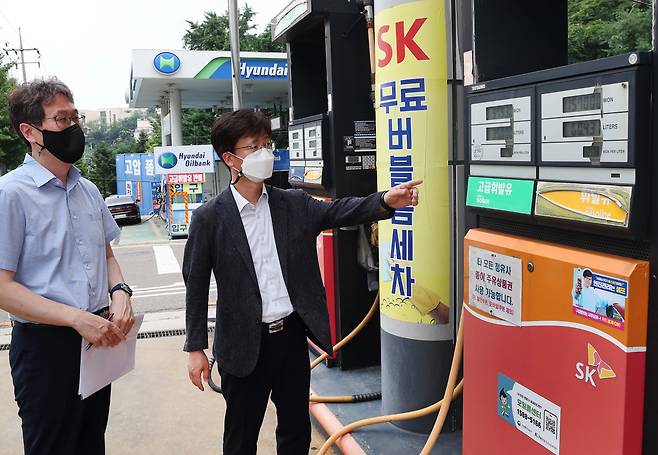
(87, 43)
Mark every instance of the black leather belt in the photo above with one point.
(279, 325)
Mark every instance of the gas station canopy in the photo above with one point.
(204, 78)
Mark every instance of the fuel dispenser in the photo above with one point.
(332, 147)
(556, 280)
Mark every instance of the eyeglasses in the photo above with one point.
(63, 120)
(254, 147)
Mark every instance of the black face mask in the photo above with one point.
(67, 145)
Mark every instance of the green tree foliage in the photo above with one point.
(142, 141)
(213, 34)
(155, 138)
(196, 126)
(100, 167)
(12, 148)
(601, 28)
(103, 143)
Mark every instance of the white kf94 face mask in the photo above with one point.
(258, 165)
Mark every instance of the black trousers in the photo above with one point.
(45, 368)
(282, 371)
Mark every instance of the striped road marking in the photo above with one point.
(166, 260)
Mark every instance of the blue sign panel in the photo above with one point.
(254, 69)
(166, 63)
(281, 159)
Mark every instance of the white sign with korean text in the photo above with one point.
(495, 284)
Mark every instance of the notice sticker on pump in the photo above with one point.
(530, 413)
(599, 297)
(495, 283)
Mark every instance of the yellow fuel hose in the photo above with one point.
(352, 334)
(451, 392)
(386, 419)
(450, 386)
(348, 398)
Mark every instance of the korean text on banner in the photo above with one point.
(412, 142)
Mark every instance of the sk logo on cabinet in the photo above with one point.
(595, 365)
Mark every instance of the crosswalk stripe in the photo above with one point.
(170, 289)
(165, 260)
(143, 296)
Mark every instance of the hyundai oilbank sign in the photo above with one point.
(183, 159)
(166, 63)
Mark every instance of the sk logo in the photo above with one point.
(595, 364)
(166, 63)
(167, 160)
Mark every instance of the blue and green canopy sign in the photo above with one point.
(250, 69)
(166, 63)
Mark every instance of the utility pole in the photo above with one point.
(233, 14)
(21, 51)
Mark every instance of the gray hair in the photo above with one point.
(26, 102)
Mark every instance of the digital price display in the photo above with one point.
(504, 111)
(580, 103)
(500, 133)
(581, 128)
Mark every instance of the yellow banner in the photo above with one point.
(412, 142)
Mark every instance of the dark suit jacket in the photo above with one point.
(217, 242)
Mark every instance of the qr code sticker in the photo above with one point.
(550, 423)
(368, 162)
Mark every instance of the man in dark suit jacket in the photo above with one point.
(259, 241)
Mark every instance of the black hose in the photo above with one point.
(211, 383)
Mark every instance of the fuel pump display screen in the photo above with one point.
(581, 128)
(500, 133)
(579, 103)
(504, 111)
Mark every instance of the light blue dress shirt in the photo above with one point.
(54, 236)
(591, 301)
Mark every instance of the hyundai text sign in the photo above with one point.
(184, 159)
(166, 63)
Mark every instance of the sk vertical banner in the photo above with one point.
(412, 142)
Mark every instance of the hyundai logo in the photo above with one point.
(166, 63)
(167, 160)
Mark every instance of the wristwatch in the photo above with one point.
(123, 287)
(384, 204)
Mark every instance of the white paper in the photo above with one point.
(494, 284)
(100, 367)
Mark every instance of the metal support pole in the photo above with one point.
(20, 42)
(235, 52)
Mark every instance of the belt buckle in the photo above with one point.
(276, 326)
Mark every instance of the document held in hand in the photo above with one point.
(101, 366)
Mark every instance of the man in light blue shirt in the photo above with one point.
(56, 267)
(587, 299)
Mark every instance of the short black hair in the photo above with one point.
(26, 102)
(587, 273)
(502, 393)
(231, 126)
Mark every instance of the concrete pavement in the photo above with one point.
(155, 409)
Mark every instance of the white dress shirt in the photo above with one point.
(257, 222)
